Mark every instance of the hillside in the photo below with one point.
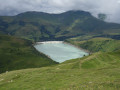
(96, 44)
(16, 53)
(43, 26)
(22, 67)
(99, 71)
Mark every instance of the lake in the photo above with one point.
(59, 51)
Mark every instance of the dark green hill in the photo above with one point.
(43, 26)
(18, 53)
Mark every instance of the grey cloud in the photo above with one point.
(109, 7)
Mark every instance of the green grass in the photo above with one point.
(18, 53)
(100, 71)
(96, 44)
(26, 67)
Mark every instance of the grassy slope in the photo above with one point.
(18, 53)
(96, 44)
(100, 71)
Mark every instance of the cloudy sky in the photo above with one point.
(109, 7)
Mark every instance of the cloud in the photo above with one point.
(109, 7)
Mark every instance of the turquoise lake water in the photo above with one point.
(59, 51)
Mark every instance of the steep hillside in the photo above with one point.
(43, 26)
(18, 53)
(100, 71)
(96, 44)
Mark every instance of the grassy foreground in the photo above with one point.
(18, 53)
(100, 71)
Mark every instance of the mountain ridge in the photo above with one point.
(43, 26)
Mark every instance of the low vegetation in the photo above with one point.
(99, 71)
(18, 53)
(96, 44)
(22, 67)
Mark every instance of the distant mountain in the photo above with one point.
(43, 26)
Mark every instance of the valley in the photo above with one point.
(60, 51)
(23, 40)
